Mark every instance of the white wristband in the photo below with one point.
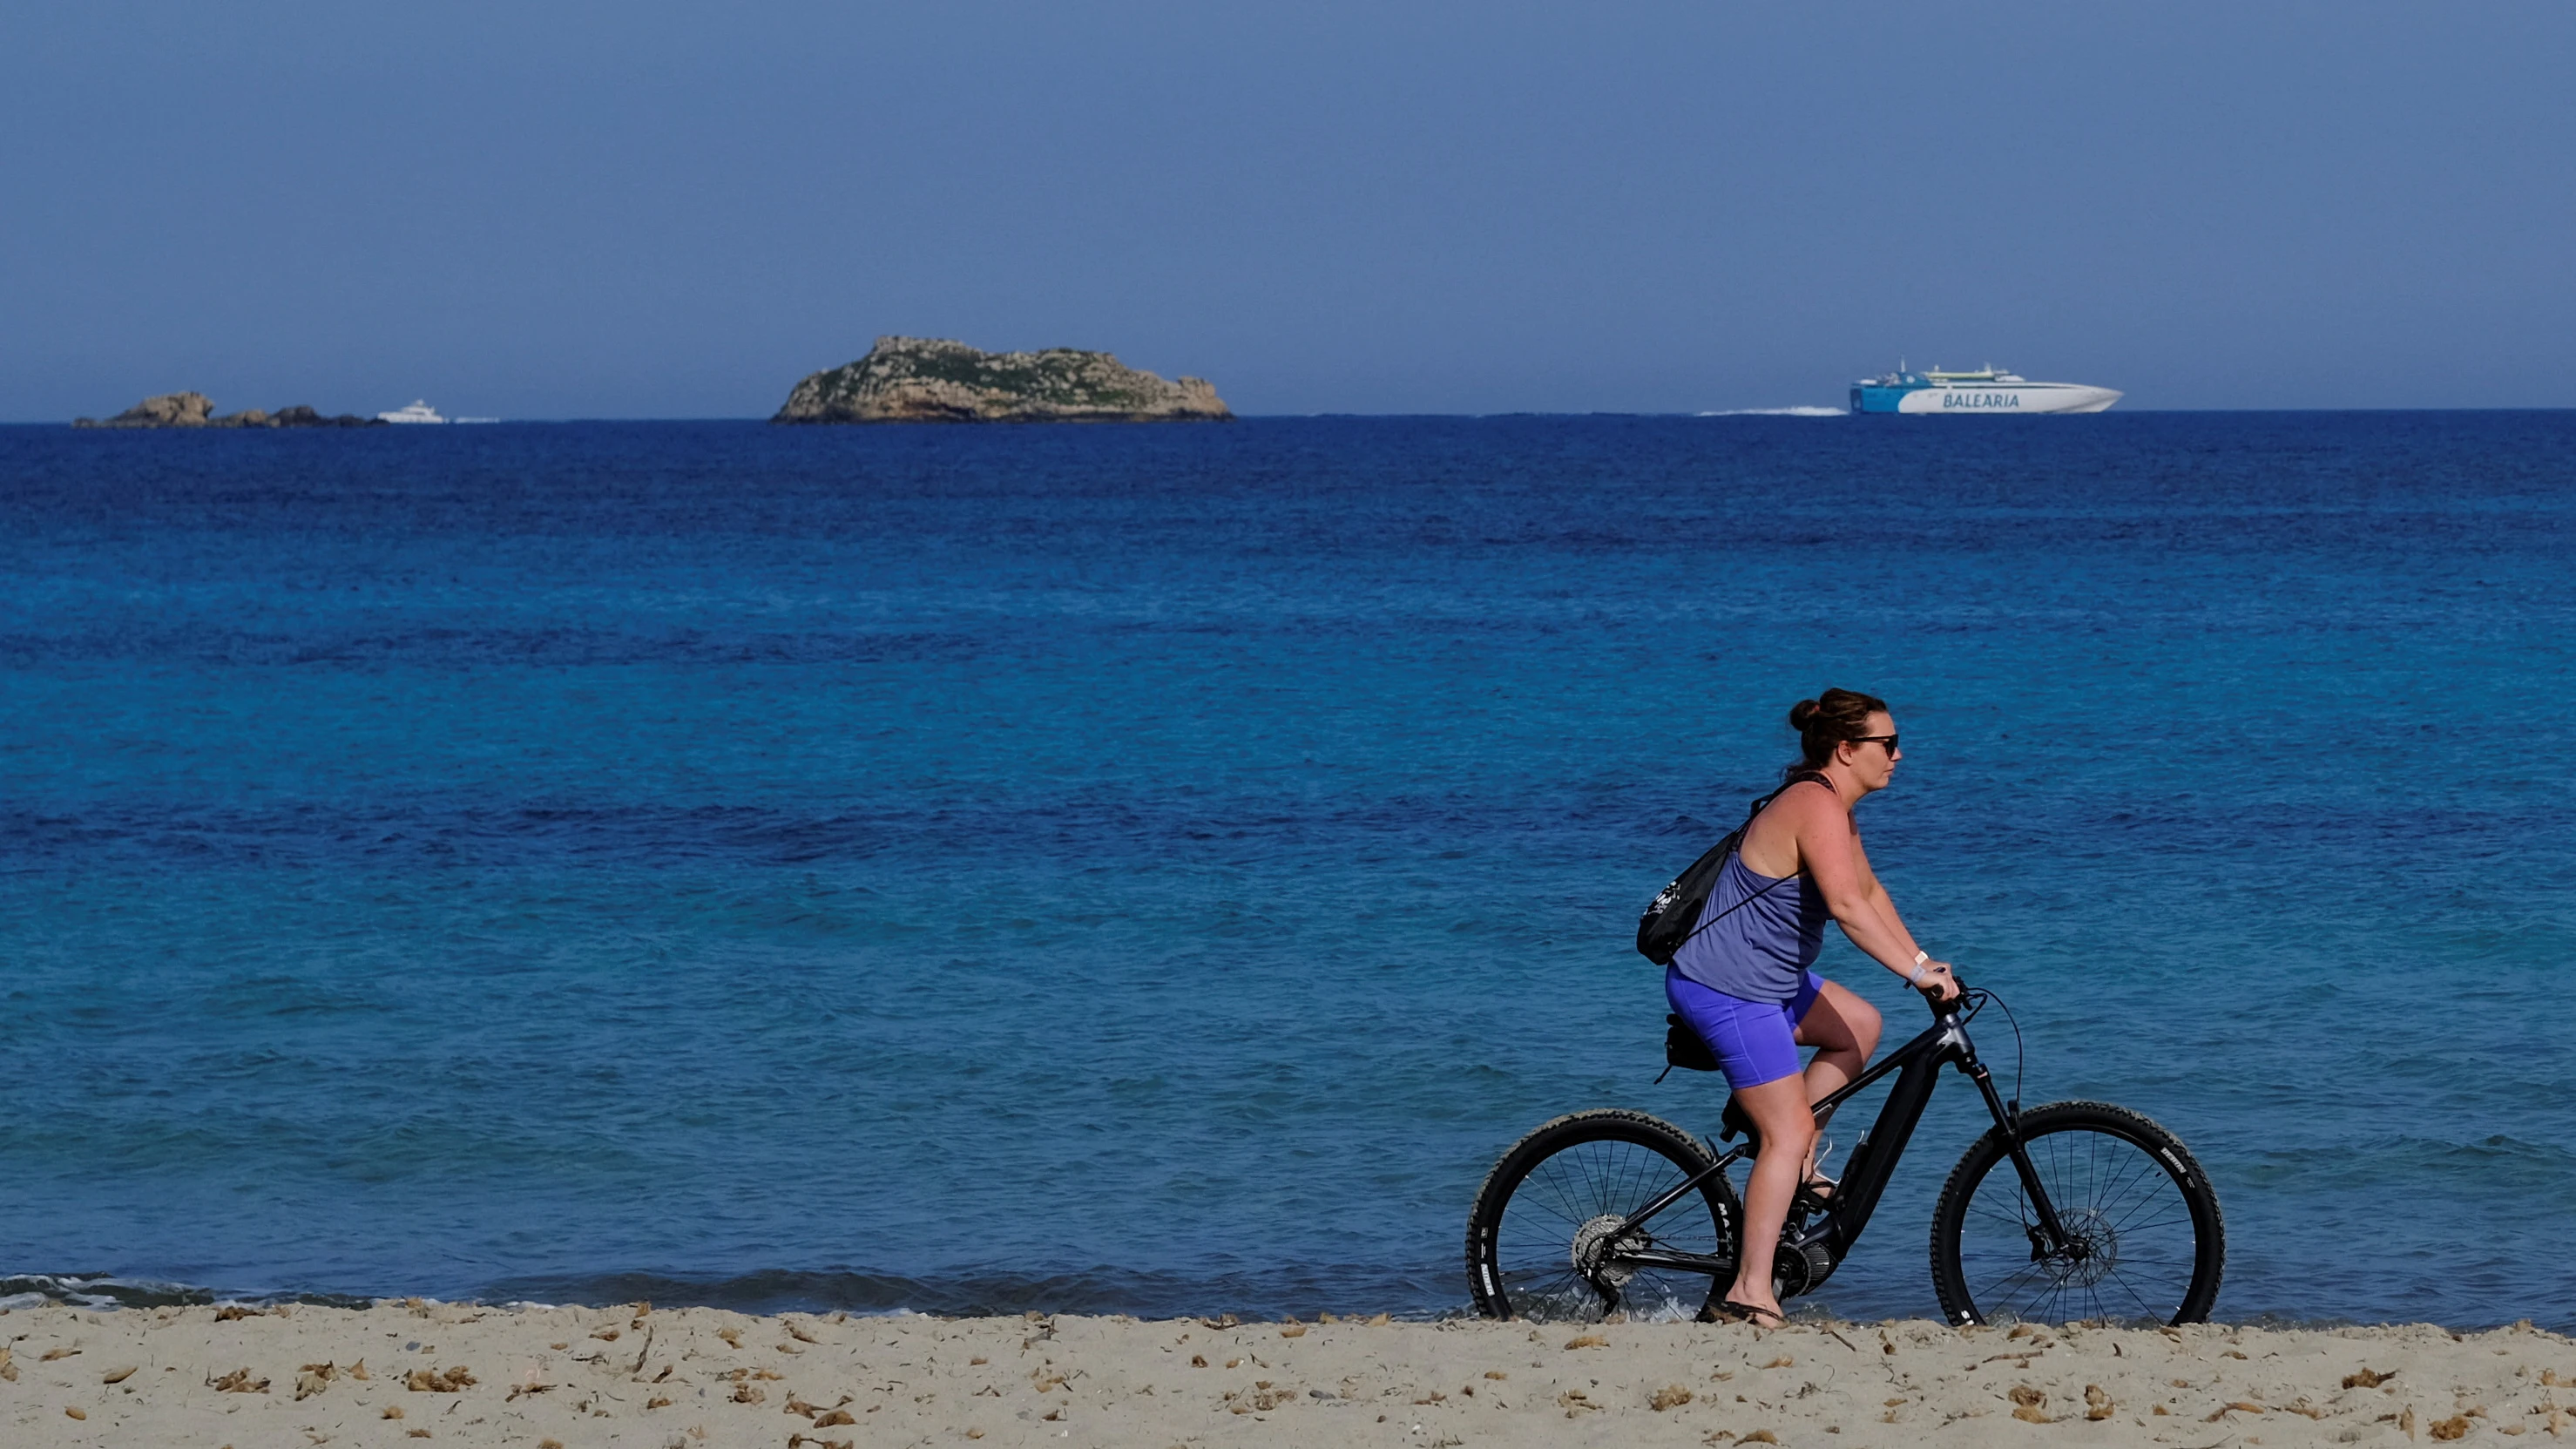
(1915, 976)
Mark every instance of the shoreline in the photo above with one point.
(111, 1294)
(677, 1378)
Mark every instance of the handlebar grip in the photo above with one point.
(1932, 994)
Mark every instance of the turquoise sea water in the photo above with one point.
(1159, 869)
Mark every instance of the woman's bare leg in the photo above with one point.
(1844, 1030)
(1780, 1114)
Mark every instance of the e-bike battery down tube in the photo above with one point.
(1874, 1157)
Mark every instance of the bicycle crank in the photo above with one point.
(1801, 1267)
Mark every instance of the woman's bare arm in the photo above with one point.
(1830, 852)
(1886, 907)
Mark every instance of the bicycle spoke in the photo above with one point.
(2167, 1215)
(2134, 1296)
(1571, 1219)
(2144, 1174)
(2033, 1272)
(2016, 1223)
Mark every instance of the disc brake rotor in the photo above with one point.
(2095, 1249)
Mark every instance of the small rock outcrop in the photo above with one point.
(170, 410)
(300, 416)
(195, 410)
(926, 380)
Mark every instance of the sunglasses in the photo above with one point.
(1887, 740)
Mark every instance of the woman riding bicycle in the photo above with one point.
(1744, 985)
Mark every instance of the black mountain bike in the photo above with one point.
(2099, 1213)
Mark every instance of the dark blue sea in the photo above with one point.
(1159, 869)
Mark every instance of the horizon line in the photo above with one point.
(1806, 412)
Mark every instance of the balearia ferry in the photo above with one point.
(1990, 390)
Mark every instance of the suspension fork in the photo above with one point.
(2008, 1121)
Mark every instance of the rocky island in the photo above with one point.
(196, 410)
(926, 380)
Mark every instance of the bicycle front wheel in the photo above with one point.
(2144, 1239)
(1545, 1239)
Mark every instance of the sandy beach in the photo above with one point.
(402, 1372)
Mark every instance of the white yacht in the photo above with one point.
(418, 412)
(1988, 390)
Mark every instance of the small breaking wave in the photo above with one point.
(106, 1290)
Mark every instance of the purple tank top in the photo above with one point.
(1760, 952)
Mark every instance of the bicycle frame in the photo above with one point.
(1820, 1245)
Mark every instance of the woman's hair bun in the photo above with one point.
(1827, 721)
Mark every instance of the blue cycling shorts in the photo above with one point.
(1755, 1041)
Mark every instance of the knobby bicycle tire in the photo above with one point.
(1551, 1197)
(2156, 1244)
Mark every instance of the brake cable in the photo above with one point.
(2021, 1054)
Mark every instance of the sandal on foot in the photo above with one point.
(1746, 1313)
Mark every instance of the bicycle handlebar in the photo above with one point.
(1932, 995)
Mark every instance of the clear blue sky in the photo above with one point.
(542, 209)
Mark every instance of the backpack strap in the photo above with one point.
(1758, 807)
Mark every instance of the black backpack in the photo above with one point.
(1673, 916)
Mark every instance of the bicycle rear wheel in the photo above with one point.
(1543, 1237)
(2147, 1239)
